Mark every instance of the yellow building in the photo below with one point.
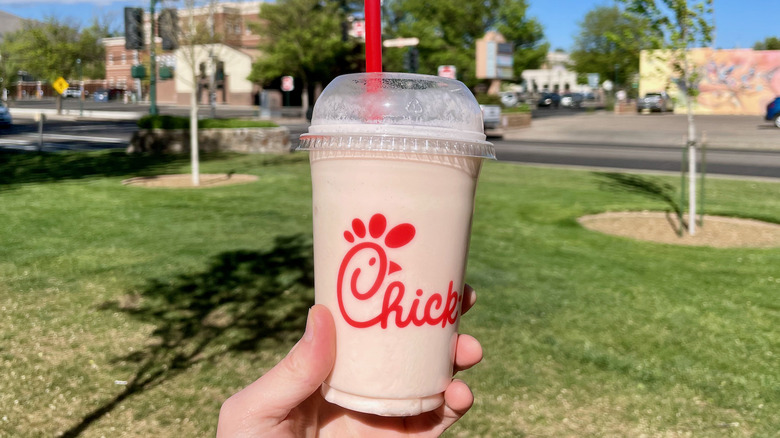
(736, 81)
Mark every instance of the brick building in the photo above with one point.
(235, 52)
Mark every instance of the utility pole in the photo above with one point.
(212, 66)
(152, 63)
(81, 92)
(136, 61)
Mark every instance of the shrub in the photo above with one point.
(163, 122)
(177, 122)
(519, 108)
(235, 123)
(488, 99)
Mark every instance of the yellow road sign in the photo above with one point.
(60, 85)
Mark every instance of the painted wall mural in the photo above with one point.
(738, 81)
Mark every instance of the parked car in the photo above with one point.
(491, 116)
(509, 98)
(656, 101)
(549, 100)
(72, 92)
(5, 116)
(572, 100)
(773, 111)
(106, 94)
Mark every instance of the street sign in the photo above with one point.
(359, 29)
(593, 80)
(401, 42)
(60, 85)
(447, 71)
(288, 84)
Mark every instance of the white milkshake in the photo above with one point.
(392, 201)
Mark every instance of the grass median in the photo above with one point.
(135, 312)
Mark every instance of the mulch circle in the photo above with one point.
(185, 180)
(715, 231)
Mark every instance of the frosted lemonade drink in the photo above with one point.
(394, 161)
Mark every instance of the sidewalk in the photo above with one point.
(670, 130)
(73, 114)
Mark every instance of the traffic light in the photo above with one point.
(134, 28)
(414, 59)
(220, 74)
(169, 29)
(411, 60)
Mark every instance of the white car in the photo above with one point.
(491, 116)
(72, 92)
(509, 99)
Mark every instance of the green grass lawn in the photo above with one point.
(135, 312)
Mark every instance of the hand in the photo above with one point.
(286, 401)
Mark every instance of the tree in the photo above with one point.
(769, 43)
(50, 49)
(676, 26)
(91, 51)
(609, 43)
(197, 40)
(304, 39)
(448, 32)
(526, 34)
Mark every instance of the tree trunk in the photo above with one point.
(194, 97)
(691, 151)
(305, 97)
(194, 159)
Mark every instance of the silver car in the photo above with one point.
(657, 101)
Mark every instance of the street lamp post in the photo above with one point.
(152, 63)
(81, 87)
(616, 73)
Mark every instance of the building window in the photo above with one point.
(110, 59)
(124, 58)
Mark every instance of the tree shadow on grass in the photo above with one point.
(242, 301)
(25, 167)
(649, 187)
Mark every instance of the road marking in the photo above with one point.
(75, 137)
(21, 145)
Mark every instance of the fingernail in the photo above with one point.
(308, 335)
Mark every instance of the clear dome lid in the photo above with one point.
(398, 112)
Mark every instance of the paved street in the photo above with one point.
(752, 163)
(719, 132)
(67, 135)
(736, 145)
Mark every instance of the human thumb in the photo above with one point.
(271, 398)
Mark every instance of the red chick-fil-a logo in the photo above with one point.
(439, 308)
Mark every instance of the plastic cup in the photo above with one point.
(395, 159)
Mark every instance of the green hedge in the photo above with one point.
(176, 122)
(488, 99)
(520, 108)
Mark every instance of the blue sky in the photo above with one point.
(740, 23)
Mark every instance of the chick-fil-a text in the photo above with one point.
(438, 308)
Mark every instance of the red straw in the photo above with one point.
(373, 36)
